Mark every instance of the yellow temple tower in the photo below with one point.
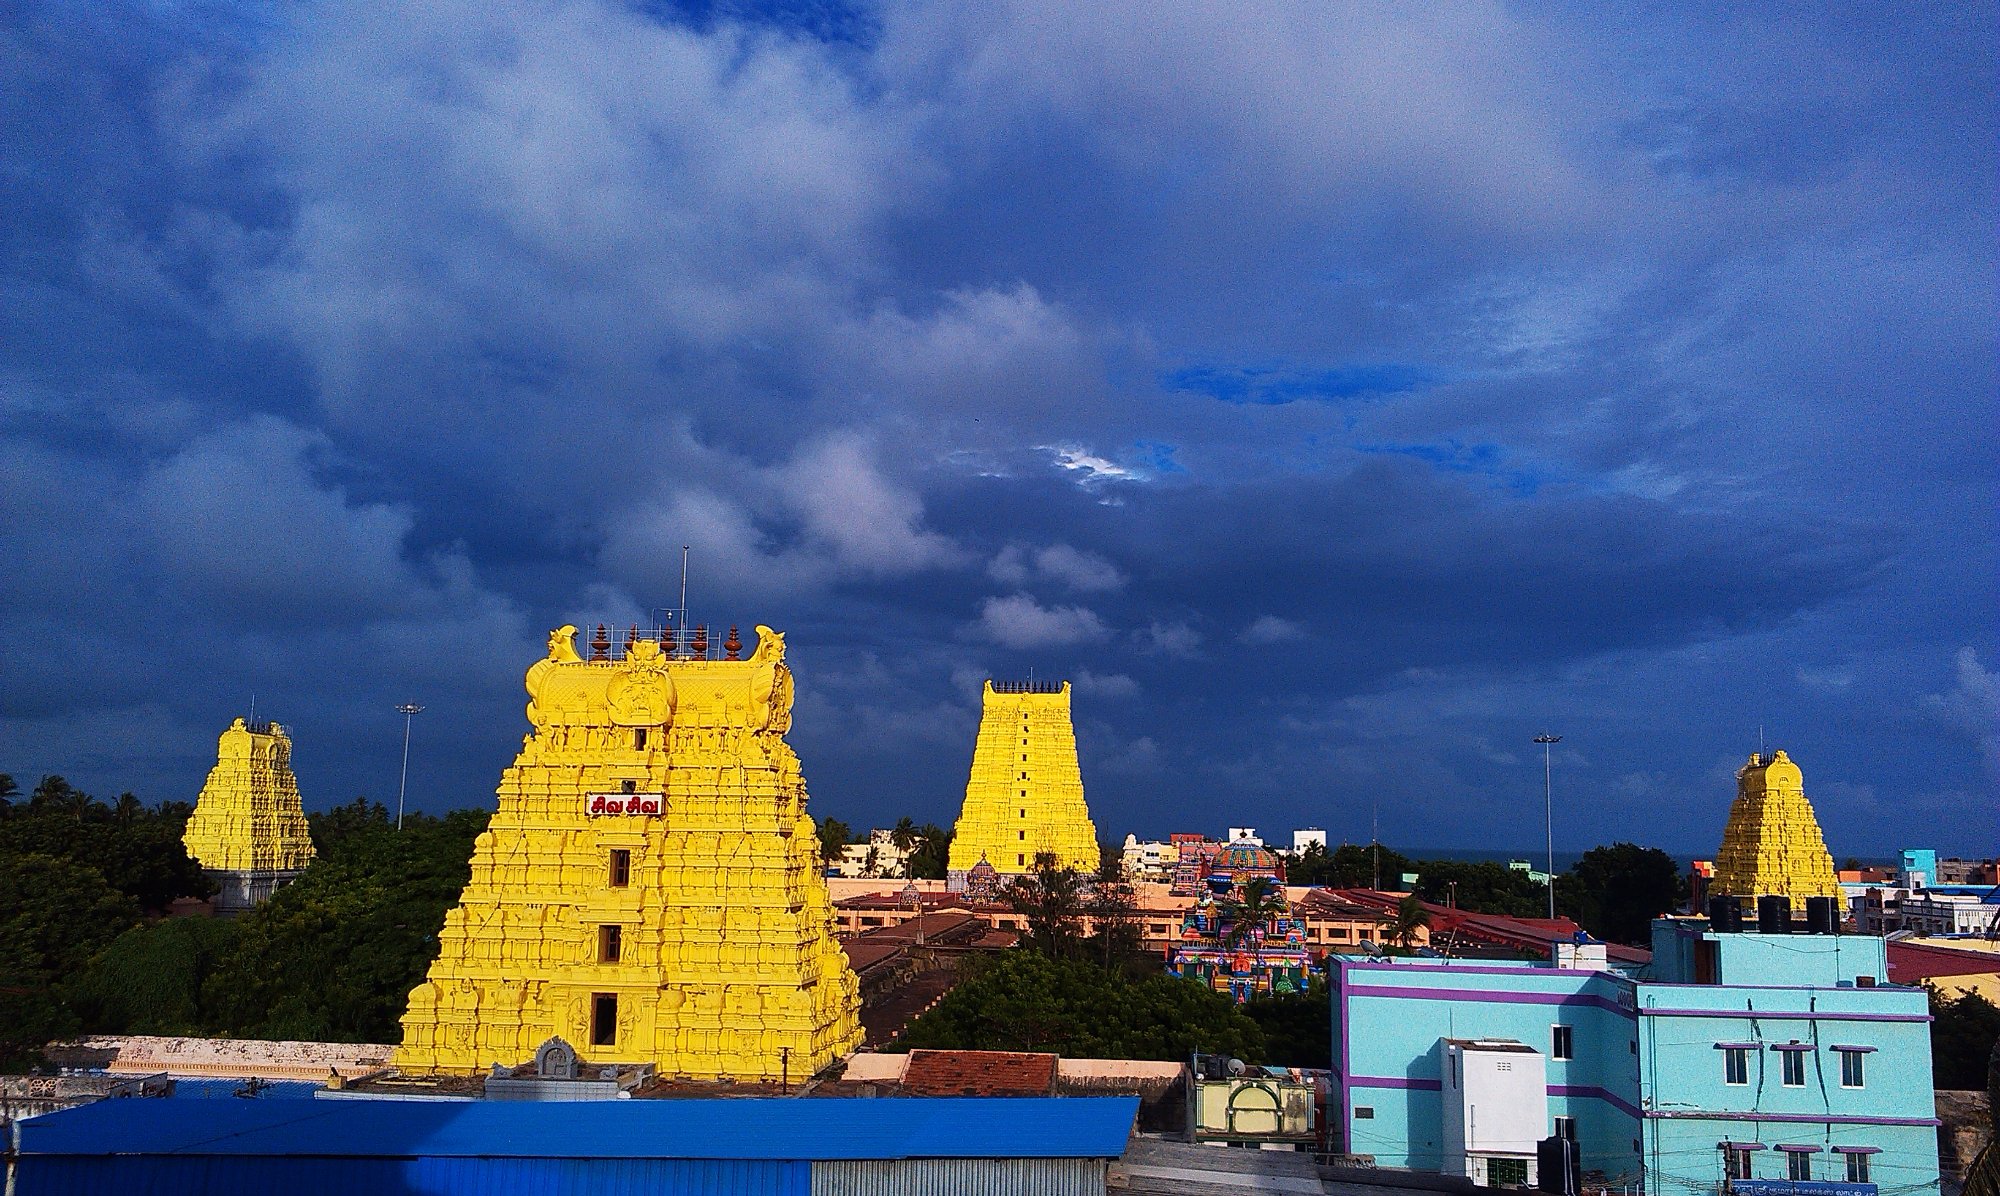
(1772, 845)
(650, 887)
(1025, 795)
(248, 831)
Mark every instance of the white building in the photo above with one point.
(879, 857)
(1245, 834)
(1496, 1109)
(1308, 837)
(1150, 860)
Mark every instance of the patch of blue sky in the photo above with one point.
(1480, 460)
(1271, 385)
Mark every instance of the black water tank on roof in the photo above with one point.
(1774, 914)
(1725, 916)
(1822, 915)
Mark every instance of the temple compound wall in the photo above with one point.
(248, 831)
(649, 888)
(1025, 794)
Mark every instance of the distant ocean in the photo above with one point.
(1538, 856)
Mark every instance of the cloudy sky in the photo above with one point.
(1339, 396)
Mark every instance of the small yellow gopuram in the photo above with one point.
(649, 888)
(248, 831)
(1025, 794)
(1772, 845)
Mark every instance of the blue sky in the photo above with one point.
(1339, 395)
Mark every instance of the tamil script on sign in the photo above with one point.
(642, 805)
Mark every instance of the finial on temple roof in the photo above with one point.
(600, 644)
(733, 645)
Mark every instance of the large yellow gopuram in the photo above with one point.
(649, 889)
(248, 831)
(1025, 794)
(1772, 845)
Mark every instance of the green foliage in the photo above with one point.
(1411, 916)
(833, 835)
(138, 850)
(149, 980)
(1963, 1031)
(332, 957)
(1052, 899)
(1615, 892)
(931, 859)
(1025, 1001)
(1349, 866)
(1482, 887)
(54, 914)
(1298, 1027)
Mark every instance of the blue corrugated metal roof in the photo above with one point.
(751, 1128)
(209, 1089)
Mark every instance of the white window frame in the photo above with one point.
(1856, 1064)
(1736, 1059)
(1562, 1041)
(1790, 1063)
(1858, 1167)
(1798, 1166)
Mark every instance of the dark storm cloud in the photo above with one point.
(1337, 394)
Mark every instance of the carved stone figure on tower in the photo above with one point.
(649, 887)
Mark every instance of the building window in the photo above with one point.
(604, 1019)
(1020, 861)
(1857, 1169)
(1364, 1112)
(621, 868)
(1853, 1069)
(1562, 1042)
(1024, 813)
(628, 786)
(1507, 1173)
(1792, 1069)
(1023, 834)
(639, 739)
(1798, 1165)
(1736, 1160)
(610, 943)
(1735, 1065)
(1566, 1128)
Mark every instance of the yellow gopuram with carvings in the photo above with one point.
(1025, 795)
(248, 830)
(1772, 845)
(650, 887)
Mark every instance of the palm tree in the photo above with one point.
(1251, 910)
(1411, 916)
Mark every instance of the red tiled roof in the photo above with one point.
(862, 955)
(979, 1073)
(1910, 963)
(1522, 934)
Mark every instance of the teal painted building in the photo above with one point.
(1732, 1060)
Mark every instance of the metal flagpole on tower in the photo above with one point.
(1548, 811)
(408, 710)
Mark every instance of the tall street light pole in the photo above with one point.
(1548, 743)
(408, 710)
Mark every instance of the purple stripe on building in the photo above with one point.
(1486, 997)
(1782, 1015)
(1592, 1092)
(1455, 969)
(1417, 1084)
(1339, 979)
(1809, 1118)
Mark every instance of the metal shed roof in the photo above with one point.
(749, 1128)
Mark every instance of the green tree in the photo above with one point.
(833, 835)
(55, 913)
(903, 834)
(1615, 892)
(1349, 866)
(932, 858)
(1024, 1001)
(149, 979)
(1051, 898)
(1963, 1031)
(333, 956)
(1411, 916)
(1297, 1029)
(1115, 937)
(1482, 887)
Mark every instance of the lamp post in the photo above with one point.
(409, 710)
(1548, 743)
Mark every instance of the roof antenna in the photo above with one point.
(253, 707)
(1760, 739)
(684, 585)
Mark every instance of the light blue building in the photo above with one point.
(1733, 1061)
